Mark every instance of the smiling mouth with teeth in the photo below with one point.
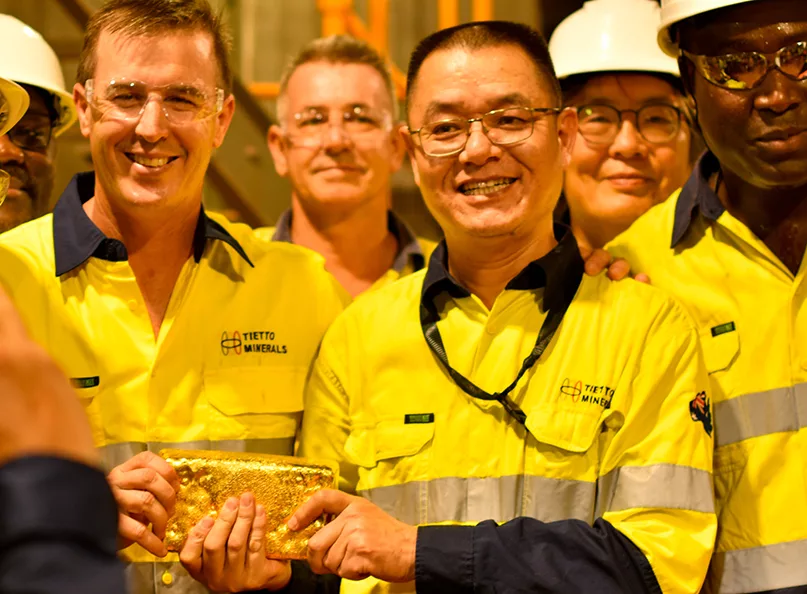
(486, 187)
(147, 162)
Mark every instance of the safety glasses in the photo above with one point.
(746, 70)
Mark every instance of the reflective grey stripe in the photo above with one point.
(762, 568)
(147, 578)
(667, 486)
(455, 499)
(761, 413)
(472, 500)
(117, 453)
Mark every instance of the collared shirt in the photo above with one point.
(228, 367)
(411, 256)
(616, 382)
(751, 315)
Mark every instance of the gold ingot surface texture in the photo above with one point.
(280, 483)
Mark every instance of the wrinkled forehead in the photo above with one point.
(763, 25)
(477, 80)
(340, 85)
(159, 59)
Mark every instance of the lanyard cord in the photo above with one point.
(432, 335)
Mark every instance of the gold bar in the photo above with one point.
(280, 483)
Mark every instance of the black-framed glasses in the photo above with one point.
(746, 70)
(501, 126)
(32, 134)
(656, 123)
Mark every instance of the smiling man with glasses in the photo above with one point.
(28, 150)
(337, 142)
(730, 246)
(511, 424)
(167, 319)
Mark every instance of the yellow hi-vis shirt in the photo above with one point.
(611, 432)
(228, 369)
(751, 315)
(413, 252)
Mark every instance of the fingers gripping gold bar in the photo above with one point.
(280, 483)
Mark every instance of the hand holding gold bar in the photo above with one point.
(280, 483)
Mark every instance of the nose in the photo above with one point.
(778, 94)
(10, 152)
(478, 147)
(628, 143)
(335, 138)
(153, 124)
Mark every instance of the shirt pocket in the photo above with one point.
(90, 399)
(254, 402)
(720, 351)
(393, 460)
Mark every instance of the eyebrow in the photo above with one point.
(509, 100)
(343, 107)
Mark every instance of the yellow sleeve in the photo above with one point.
(326, 420)
(655, 482)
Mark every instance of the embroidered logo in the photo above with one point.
(251, 341)
(700, 409)
(587, 393)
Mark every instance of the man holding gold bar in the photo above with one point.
(568, 414)
(176, 327)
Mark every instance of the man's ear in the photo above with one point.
(409, 144)
(223, 120)
(276, 142)
(83, 108)
(398, 147)
(567, 133)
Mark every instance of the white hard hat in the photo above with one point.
(26, 58)
(675, 11)
(610, 36)
(13, 104)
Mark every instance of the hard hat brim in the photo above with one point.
(17, 99)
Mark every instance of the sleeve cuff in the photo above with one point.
(444, 559)
(41, 495)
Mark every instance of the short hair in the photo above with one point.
(337, 49)
(152, 18)
(483, 34)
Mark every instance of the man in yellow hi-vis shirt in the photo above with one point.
(175, 327)
(337, 142)
(730, 246)
(501, 383)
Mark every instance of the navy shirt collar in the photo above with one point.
(76, 239)
(558, 273)
(698, 194)
(408, 245)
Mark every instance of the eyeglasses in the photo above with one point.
(501, 126)
(358, 123)
(123, 99)
(32, 134)
(746, 70)
(600, 124)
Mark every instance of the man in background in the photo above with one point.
(338, 143)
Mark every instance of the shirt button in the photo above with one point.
(167, 578)
(132, 303)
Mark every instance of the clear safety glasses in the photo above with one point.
(600, 124)
(359, 123)
(124, 99)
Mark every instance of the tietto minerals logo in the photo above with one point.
(252, 341)
(231, 343)
(594, 394)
